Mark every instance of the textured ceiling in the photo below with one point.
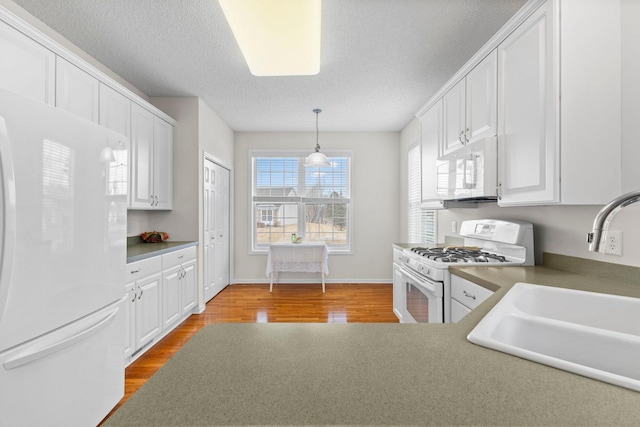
(381, 60)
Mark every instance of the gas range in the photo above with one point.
(486, 242)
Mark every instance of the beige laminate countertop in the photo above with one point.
(140, 251)
(486, 387)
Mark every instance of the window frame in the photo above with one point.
(301, 204)
(421, 223)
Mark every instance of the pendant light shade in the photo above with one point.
(317, 159)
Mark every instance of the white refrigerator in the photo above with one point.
(63, 214)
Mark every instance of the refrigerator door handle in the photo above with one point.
(8, 209)
(39, 350)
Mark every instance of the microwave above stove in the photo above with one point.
(470, 172)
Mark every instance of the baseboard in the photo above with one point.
(311, 281)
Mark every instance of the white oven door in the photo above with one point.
(423, 299)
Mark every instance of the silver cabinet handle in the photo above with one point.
(136, 271)
(181, 256)
(467, 294)
(151, 201)
(460, 137)
(499, 191)
(134, 295)
(466, 135)
(141, 292)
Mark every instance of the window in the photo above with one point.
(287, 198)
(421, 222)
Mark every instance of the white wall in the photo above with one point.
(375, 209)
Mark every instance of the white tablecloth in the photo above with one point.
(308, 257)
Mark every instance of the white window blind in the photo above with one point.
(421, 222)
(287, 198)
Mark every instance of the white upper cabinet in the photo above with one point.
(430, 140)
(76, 90)
(469, 107)
(481, 99)
(141, 159)
(151, 160)
(454, 119)
(163, 163)
(115, 110)
(527, 143)
(559, 106)
(26, 67)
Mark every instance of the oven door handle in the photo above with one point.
(422, 281)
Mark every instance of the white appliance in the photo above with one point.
(425, 271)
(470, 172)
(62, 259)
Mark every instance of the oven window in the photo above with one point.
(417, 304)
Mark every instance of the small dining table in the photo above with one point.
(307, 257)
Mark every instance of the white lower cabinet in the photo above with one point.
(398, 285)
(465, 296)
(162, 293)
(144, 279)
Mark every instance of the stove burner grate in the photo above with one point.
(458, 254)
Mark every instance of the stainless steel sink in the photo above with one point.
(592, 334)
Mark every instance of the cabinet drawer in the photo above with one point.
(468, 293)
(178, 257)
(397, 253)
(146, 267)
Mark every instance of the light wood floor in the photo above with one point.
(342, 303)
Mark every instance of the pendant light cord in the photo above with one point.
(317, 111)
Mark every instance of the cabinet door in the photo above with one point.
(453, 107)
(527, 142)
(398, 293)
(482, 98)
(188, 286)
(26, 67)
(115, 110)
(171, 307)
(76, 90)
(430, 139)
(163, 164)
(141, 158)
(130, 315)
(148, 310)
(222, 229)
(458, 311)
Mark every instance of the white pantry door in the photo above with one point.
(216, 228)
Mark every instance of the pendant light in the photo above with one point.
(317, 159)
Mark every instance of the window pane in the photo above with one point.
(275, 222)
(275, 176)
(332, 181)
(327, 222)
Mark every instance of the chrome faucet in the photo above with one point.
(604, 218)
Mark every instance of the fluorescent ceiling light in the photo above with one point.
(277, 37)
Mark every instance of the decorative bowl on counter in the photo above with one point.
(154, 236)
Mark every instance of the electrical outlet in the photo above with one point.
(613, 243)
(454, 227)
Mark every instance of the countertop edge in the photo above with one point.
(141, 251)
